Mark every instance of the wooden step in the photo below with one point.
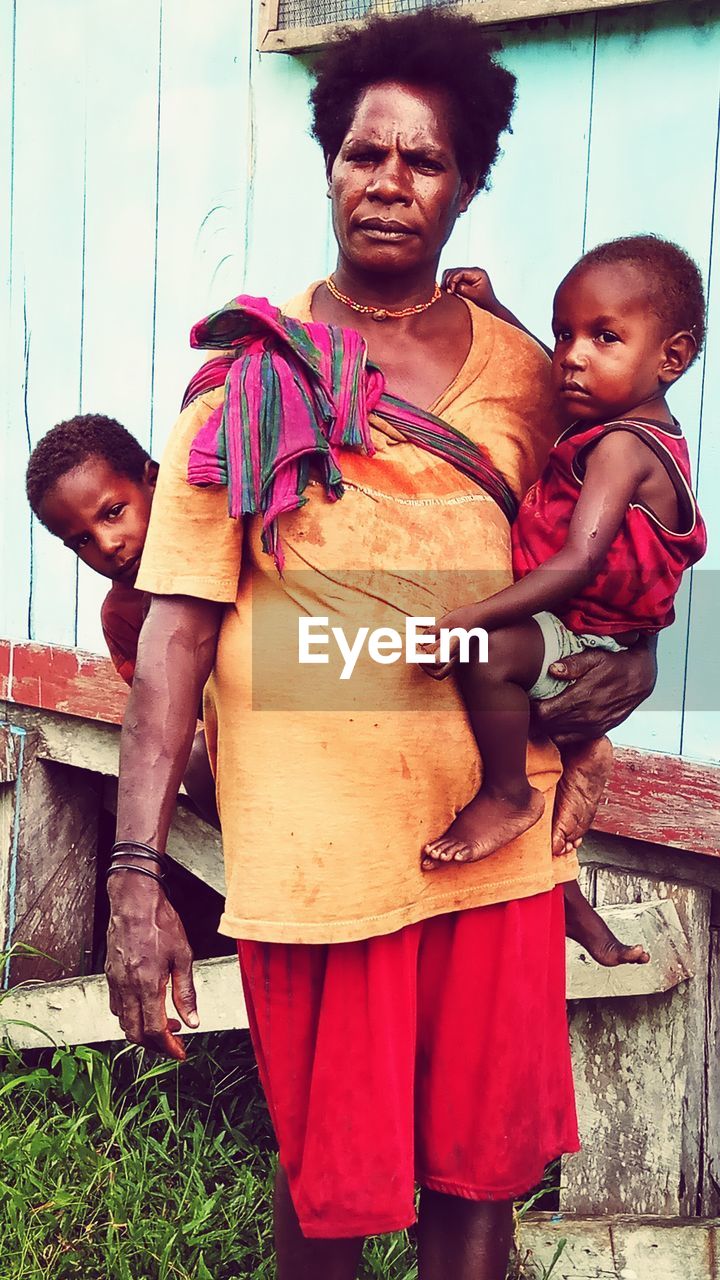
(75, 1010)
(618, 1248)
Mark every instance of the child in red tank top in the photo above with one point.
(601, 540)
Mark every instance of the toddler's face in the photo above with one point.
(609, 343)
(102, 516)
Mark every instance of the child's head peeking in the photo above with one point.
(91, 484)
(628, 320)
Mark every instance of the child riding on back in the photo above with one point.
(91, 483)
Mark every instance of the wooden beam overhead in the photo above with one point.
(274, 38)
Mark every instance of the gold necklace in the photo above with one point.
(381, 313)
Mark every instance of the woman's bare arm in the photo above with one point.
(146, 941)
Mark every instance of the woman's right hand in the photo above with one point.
(146, 948)
(146, 944)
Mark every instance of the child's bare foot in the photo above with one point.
(586, 769)
(583, 923)
(488, 822)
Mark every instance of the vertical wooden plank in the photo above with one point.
(652, 168)
(52, 902)
(47, 279)
(15, 561)
(202, 186)
(7, 87)
(639, 1069)
(701, 725)
(701, 709)
(287, 243)
(12, 753)
(119, 270)
(48, 842)
(710, 1206)
(7, 76)
(543, 167)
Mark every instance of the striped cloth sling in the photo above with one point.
(296, 394)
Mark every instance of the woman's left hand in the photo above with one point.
(608, 687)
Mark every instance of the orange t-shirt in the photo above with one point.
(328, 787)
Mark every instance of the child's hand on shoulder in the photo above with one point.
(474, 284)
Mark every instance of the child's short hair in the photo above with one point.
(676, 286)
(69, 444)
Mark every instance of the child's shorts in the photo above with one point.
(438, 1054)
(562, 643)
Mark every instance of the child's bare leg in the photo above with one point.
(499, 713)
(583, 923)
(587, 767)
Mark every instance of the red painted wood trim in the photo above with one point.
(57, 679)
(659, 798)
(663, 799)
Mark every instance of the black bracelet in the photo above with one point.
(137, 853)
(136, 849)
(141, 871)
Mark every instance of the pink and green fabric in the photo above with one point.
(295, 395)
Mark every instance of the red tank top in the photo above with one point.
(637, 585)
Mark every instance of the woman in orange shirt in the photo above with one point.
(407, 1026)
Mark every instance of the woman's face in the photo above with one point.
(395, 184)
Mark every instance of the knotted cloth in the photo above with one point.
(296, 394)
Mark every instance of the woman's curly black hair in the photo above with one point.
(433, 48)
(69, 444)
(673, 279)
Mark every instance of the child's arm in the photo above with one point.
(474, 284)
(615, 469)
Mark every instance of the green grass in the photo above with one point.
(116, 1165)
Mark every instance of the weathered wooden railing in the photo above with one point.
(646, 1040)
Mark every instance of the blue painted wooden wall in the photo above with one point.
(153, 165)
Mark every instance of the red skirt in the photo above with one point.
(437, 1054)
